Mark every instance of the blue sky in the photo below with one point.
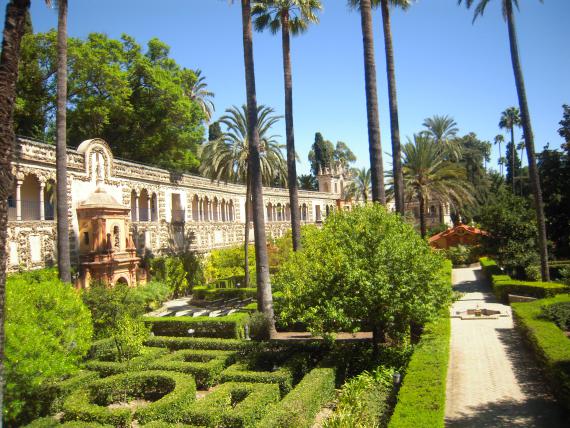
(444, 64)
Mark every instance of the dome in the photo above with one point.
(101, 199)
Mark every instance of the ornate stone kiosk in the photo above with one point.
(106, 249)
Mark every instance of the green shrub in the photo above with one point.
(175, 343)
(227, 263)
(299, 408)
(490, 267)
(57, 391)
(141, 362)
(169, 392)
(51, 422)
(209, 293)
(549, 343)
(421, 401)
(559, 313)
(233, 405)
(170, 270)
(205, 365)
(48, 330)
(150, 296)
(228, 327)
(463, 254)
(161, 424)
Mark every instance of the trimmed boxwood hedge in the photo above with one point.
(175, 343)
(206, 293)
(299, 408)
(205, 365)
(421, 401)
(176, 392)
(549, 343)
(141, 362)
(55, 393)
(161, 424)
(503, 284)
(233, 405)
(228, 327)
(51, 422)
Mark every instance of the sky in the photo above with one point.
(444, 64)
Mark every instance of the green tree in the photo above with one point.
(364, 269)
(473, 157)
(343, 156)
(215, 131)
(264, 295)
(514, 166)
(308, 182)
(48, 331)
(374, 143)
(200, 94)
(321, 155)
(292, 17)
(508, 15)
(564, 129)
(362, 182)
(499, 139)
(509, 119)
(14, 28)
(428, 176)
(443, 129)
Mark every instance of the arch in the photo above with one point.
(304, 212)
(134, 203)
(269, 212)
(287, 212)
(144, 206)
(195, 208)
(224, 210)
(231, 210)
(215, 209)
(279, 212)
(30, 197)
(154, 207)
(98, 158)
(206, 208)
(49, 199)
(122, 280)
(318, 217)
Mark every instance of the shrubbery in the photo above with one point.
(463, 254)
(170, 270)
(228, 263)
(48, 331)
(229, 326)
(559, 313)
(175, 343)
(208, 293)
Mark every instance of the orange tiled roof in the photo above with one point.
(453, 230)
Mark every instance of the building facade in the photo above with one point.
(169, 212)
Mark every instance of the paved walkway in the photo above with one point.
(492, 379)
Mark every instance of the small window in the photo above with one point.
(11, 202)
(86, 238)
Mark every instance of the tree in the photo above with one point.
(214, 131)
(200, 94)
(321, 155)
(499, 139)
(564, 129)
(362, 182)
(374, 144)
(14, 27)
(366, 269)
(508, 15)
(227, 158)
(443, 129)
(397, 174)
(343, 156)
(45, 342)
(293, 17)
(473, 157)
(308, 182)
(264, 295)
(509, 119)
(428, 175)
(513, 163)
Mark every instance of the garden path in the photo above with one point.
(492, 380)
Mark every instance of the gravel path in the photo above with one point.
(492, 379)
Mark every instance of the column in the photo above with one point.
(136, 207)
(19, 199)
(149, 211)
(42, 205)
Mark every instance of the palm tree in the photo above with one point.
(508, 15)
(443, 129)
(14, 26)
(398, 177)
(63, 253)
(292, 17)
(509, 119)
(264, 295)
(428, 176)
(200, 94)
(498, 140)
(226, 158)
(502, 161)
(374, 144)
(487, 157)
(362, 183)
(521, 147)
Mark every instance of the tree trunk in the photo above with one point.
(265, 303)
(513, 158)
(529, 142)
(423, 230)
(374, 145)
(393, 100)
(291, 161)
(14, 24)
(63, 256)
(246, 236)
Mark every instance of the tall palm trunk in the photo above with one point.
(265, 298)
(291, 161)
(513, 158)
(374, 145)
(246, 236)
(529, 141)
(63, 256)
(500, 157)
(423, 229)
(393, 100)
(14, 23)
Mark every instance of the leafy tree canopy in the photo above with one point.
(324, 154)
(365, 268)
(564, 129)
(141, 103)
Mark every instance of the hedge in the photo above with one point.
(299, 408)
(176, 392)
(549, 343)
(108, 368)
(205, 365)
(206, 293)
(285, 376)
(55, 393)
(175, 343)
(421, 401)
(503, 284)
(51, 422)
(233, 405)
(161, 424)
(228, 327)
